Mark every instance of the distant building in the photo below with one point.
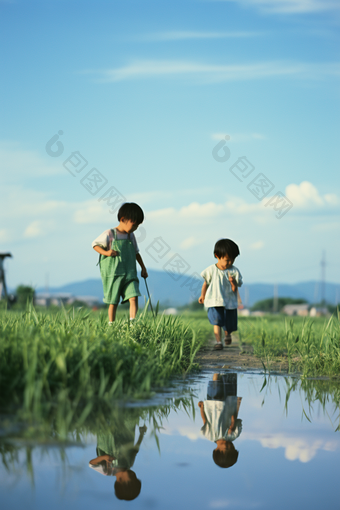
(46, 299)
(301, 309)
(258, 313)
(170, 311)
(244, 312)
(318, 312)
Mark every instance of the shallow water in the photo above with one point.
(287, 452)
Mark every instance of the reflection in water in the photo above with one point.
(220, 418)
(115, 427)
(315, 395)
(116, 452)
(45, 459)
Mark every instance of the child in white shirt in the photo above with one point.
(219, 290)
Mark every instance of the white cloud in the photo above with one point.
(291, 6)
(4, 235)
(213, 73)
(34, 229)
(92, 211)
(19, 164)
(238, 137)
(177, 35)
(189, 242)
(306, 196)
(258, 245)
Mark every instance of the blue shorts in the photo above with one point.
(226, 319)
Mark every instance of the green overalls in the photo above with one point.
(119, 274)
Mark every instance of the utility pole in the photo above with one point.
(323, 277)
(276, 298)
(3, 287)
(246, 296)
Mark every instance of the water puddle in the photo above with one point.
(278, 446)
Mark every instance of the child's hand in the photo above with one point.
(111, 253)
(200, 404)
(201, 300)
(144, 273)
(232, 283)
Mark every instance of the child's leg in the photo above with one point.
(217, 333)
(112, 312)
(227, 338)
(133, 307)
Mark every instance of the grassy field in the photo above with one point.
(310, 345)
(75, 355)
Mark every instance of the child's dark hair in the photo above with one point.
(128, 490)
(131, 211)
(227, 458)
(225, 247)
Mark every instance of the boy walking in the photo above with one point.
(119, 251)
(219, 290)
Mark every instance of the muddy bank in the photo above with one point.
(237, 357)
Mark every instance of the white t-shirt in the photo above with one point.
(105, 239)
(218, 415)
(219, 292)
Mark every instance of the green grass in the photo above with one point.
(74, 356)
(311, 346)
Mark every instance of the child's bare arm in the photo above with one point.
(144, 272)
(99, 459)
(107, 253)
(203, 293)
(201, 406)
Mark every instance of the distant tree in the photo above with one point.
(195, 305)
(267, 305)
(24, 293)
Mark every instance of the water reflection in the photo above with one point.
(219, 413)
(160, 454)
(316, 395)
(117, 450)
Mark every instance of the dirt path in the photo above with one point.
(235, 357)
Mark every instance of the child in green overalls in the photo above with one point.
(118, 254)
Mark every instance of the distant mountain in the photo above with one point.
(173, 290)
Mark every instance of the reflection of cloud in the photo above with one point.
(191, 432)
(234, 503)
(296, 448)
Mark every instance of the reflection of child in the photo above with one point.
(220, 418)
(116, 454)
(219, 291)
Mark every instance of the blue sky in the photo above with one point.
(144, 91)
